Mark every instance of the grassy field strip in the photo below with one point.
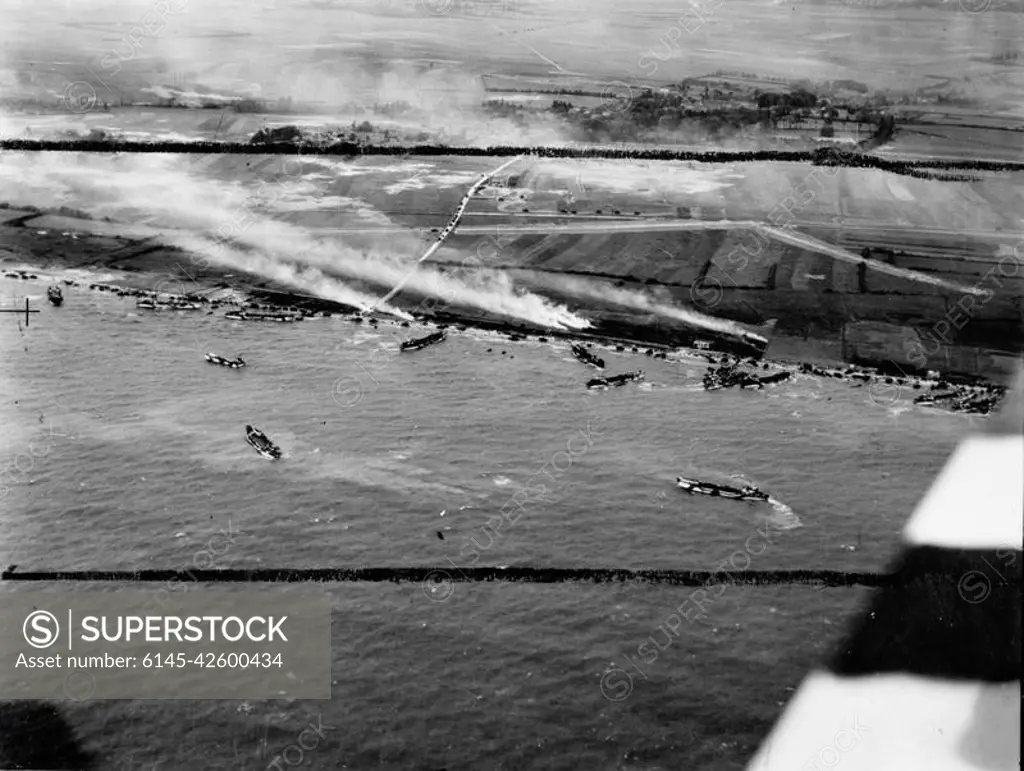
(448, 230)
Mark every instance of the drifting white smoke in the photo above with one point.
(153, 190)
(306, 279)
(636, 300)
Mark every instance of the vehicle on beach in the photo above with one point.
(587, 357)
(423, 342)
(259, 442)
(745, 493)
(225, 362)
(616, 380)
(54, 295)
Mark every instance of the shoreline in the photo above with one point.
(109, 256)
(302, 307)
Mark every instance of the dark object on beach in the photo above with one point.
(778, 377)
(174, 304)
(745, 493)
(53, 294)
(728, 376)
(423, 342)
(249, 315)
(587, 357)
(259, 442)
(616, 380)
(542, 339)
(232, 363)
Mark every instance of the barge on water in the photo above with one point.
(259, 442)
(616, 380)
(225, 362)
(587, 357)
(745, 493)
(423, 342)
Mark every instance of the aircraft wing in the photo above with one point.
(929, 675)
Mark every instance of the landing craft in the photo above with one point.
(929, 676)
(259, 442)
(745, 493)
(587, 357)
(224, 362)
(423, 342)
(616, 380)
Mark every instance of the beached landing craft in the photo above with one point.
(423, 342)
(248, 315)
(616, 380)
(167, 305)
(587, 357)
(232, 363)
(745, 493)
(259, 442)
(53, 294)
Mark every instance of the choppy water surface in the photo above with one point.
(147, 462)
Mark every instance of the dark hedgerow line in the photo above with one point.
(825, 156)
(477, 574)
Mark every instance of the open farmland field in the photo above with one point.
(695, 241)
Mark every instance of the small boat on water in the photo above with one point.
(587, 357)
(53, 294)
(745, 493)
(423, 342)
(232, 363)
(259, 442)
(616, 380)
